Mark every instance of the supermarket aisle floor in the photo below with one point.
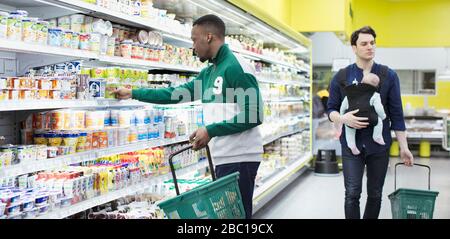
(317, 197)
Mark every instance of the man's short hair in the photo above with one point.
(364, 30)
(213, 24)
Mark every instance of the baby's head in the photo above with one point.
(371, 79)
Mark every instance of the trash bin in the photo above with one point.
(395, 149)
(424, 149)
(326, 163)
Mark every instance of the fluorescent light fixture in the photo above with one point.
(259, 29)
(215, 12)
(444, 75)
(299, 49)
(230, 9)
(179, 38)
(60, 6)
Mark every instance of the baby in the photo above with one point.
(364, 97)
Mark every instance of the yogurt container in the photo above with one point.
(126, 48)
(41, 32)
(27, 204)
(66, 201)
(76, 22)
(67, 39)
(14, 27)
(13, 210)
(104, 44)
(64, 22)
(28, 30)
(53, 23)
(95, 42)
(52, 152)
(43, 209)
(111, 46)
(41, 199)
(84, 41)
(3, 24)
(75, 43)
(55, 36)
(135, 50)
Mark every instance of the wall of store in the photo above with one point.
(279, 10)
(326, 47)
(438, 101)
(305, 17)
(405, 23)
(399, 23)
(275, 14)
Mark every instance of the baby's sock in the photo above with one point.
(379, 141)
(355, 150)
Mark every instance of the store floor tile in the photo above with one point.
(319, 197)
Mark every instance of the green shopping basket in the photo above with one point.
(219, 199)
(412, 203)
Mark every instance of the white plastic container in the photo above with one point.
(42, 32)
(103, 44)
(76, 22)
(53, 23)
(64, 22)
(14, 24)
(95, 40)
(3, 24)
(28, 30)
(87, 26)
(111, 46)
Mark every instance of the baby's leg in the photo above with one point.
(378, 132)
(350, 138)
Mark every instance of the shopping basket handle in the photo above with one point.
(172, 168)
(416, 164)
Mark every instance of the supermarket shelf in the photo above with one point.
(73, 54)
(253, 56)
(423, 135)
(286, 100)
(122, 18)
(276, 183)
(15, 105)
(29, 48)
(57, 162)
(85, 205)
(282, 82)
(270, 139)
(121, 61)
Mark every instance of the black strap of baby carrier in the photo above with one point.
(342, 77)
(382, 74)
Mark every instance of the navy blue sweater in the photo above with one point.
(391, 99)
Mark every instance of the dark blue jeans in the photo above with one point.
(247, 173)
(353, 167)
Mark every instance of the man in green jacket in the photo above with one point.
(232, 106)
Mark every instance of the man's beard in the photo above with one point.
(203, 59)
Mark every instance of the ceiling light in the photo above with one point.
(60, 6)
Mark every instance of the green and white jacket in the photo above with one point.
(232, 106)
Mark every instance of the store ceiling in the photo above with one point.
(237, 21)
(21, 3)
